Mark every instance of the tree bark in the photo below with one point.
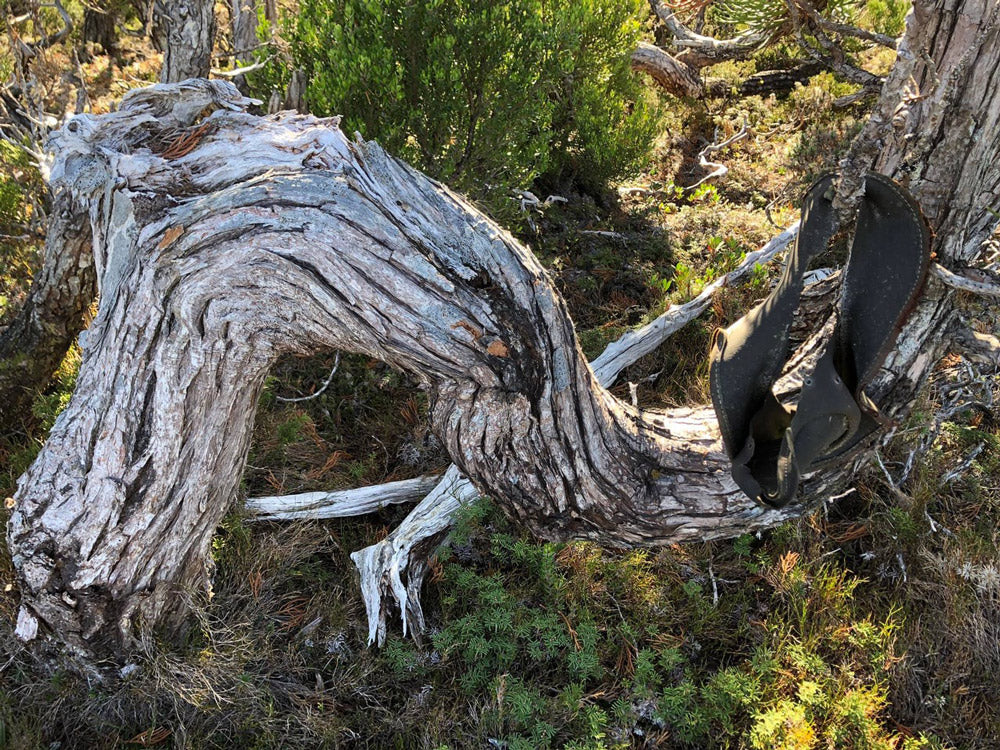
(261, 237)
(99, 28)
(244, 21)
(669, 73)
(55, 312)
(244, 17)
(188, 31)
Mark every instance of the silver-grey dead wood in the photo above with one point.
(276, 235)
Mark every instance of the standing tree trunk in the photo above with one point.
(244, 18)
(99, 28)
(244, 238)
(187, 30)
(36, 341)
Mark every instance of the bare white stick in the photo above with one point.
(326, 383)
(964, 283)
(237, 72)
(642, 341)
(718, 170)
(342, 503)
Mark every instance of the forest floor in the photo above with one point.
(871, 623)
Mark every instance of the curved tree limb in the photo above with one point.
(673, 75)
(698, 50)
(382, 565)
(354, 251)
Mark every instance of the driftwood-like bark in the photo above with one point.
(314, 506)
(188, 33)
(383, 565)
(37, 339)
(287, 237)
(672, 75)
(261, 237)
(405, 550)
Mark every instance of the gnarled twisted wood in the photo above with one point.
(383, 565)
(671, 74)
(279, 235)
(266, 236)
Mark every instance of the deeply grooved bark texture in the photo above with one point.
(189, 30)
(37, 339)
(279, 235)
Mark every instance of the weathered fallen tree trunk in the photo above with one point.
(383, 565)
(279, 235)
(227, 242)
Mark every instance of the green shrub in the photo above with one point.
(485, 95)
(603, 124)
(21, 187)
(887, 16)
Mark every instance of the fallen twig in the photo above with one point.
(964, 282)
(237, 72)
(718, 170)
(336, 364)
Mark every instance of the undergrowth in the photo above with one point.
(486, 96)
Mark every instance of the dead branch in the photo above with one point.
(45, 41)
(699, 51)
(827, 52)
(341, 503)
(986, 284)
(718, 170)
(667, 71)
